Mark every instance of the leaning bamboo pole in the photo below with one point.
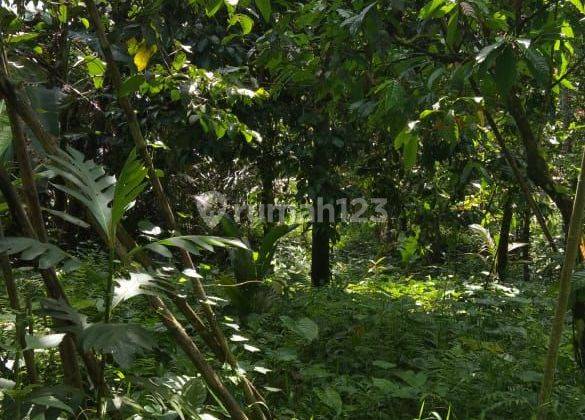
(571, 252)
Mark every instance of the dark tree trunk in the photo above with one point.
(320, 271)
(321, 234)
(502, 252)
(526, 239)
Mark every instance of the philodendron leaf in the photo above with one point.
(268, 246)
(137, 284)
(106, 198)
(48, 255)
(88, 183)
(122, 341)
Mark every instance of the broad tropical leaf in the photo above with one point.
(29, 249)
(106, 198)
(268, 247)
(191, 243)
(122, 341)
(90, 184)
(137, 284)
(129, 186)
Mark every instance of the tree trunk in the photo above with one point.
(320, 271)
(526, 239)
(502, 251)
(321, 233)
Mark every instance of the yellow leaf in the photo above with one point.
(143, 55)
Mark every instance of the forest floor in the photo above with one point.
(381, 342)
(384, 342)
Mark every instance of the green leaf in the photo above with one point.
(384, 364)
(51, 401)
(22, 37)
(245, 22)
(410, 151)
(453, 31)
(393, 95)
(579, 5)
(436, 9)
(408, 140)
(6, 151)
(268, 247)
(213, 7)
(505, 70)
(128, 187)
(122, 341)
(415, 380)
(434, 76)
(67, 217)
(331, 398)
(385, 385)
(131, 85)
(88, 183)
(193, 243)
(538, 65)
(48, 255)
(265, 8)
(62, 13)
(355, 22)
(195, 392)
(307, 329)
(96, 68)
(43, 341)
(60, 309)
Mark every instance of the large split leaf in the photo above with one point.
(122, 341)
(138, 284)
(106, 198)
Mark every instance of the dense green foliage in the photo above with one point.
(164, 170)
